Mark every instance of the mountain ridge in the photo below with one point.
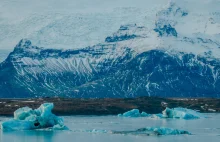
(134, 61)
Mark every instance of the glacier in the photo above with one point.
(177, 113)
(29, 119)
(176, 55)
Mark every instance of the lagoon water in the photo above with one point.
(203, 130)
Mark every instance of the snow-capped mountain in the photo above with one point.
(70, 23)
(178, 56)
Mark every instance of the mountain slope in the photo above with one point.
(164, 61)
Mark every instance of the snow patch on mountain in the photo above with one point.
(81, 24)
(182, 30)
(70, 23)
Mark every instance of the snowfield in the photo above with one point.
(70, 23)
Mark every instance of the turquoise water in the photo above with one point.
(203, 130)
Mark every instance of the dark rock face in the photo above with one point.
(167, 19)
(100, 71)
(166, 30)
(119, 38)
(155, 73)
(124, 33)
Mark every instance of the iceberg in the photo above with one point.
(180, 113)
(134, 113)
(28, 119)
(177, 113)
(165, 131)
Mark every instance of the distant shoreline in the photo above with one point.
(111, 106)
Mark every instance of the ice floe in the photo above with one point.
(28, 119)
(153, 131)
(148, 131)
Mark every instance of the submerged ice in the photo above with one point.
(148, 131)
(28, 119)
(178, 113)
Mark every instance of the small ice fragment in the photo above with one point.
(166, 131)
(212, 110)
(98, 131)
(27, 119)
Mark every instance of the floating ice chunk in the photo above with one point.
(165, 131)
(27, 119)
(134, 113)
(180, 113)
(97, 131)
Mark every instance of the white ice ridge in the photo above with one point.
(28, 119)
(177, 113)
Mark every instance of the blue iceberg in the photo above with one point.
(177, 113)
(28, 119)
(180, 113)
(165, 131)
(134, 113)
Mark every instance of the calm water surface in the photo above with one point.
(203, 130)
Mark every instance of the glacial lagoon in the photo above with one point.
(94, 128)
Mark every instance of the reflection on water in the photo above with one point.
(26, 136)
(203, 130)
